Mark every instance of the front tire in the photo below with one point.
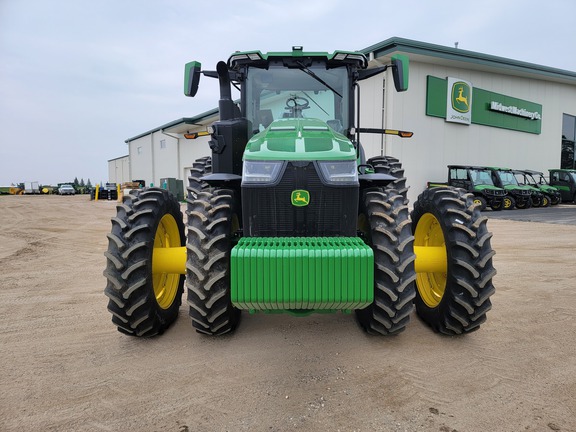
(522, 205)
(143, 303)
(497, 205)
(385, 223)
(212, 222)
(200, 168)
(509, 203)
(480, 201)
(455, 301)
(392, 166)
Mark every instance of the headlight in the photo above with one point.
(339, 172)
(261, 172)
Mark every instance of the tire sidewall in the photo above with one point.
(469, 272)
(166, 204)
(427, 313)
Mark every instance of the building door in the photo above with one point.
(567, 160)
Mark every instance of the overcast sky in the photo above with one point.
(79, 77)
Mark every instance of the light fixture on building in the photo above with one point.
(194, 135)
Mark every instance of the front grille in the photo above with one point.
(494, 192)
(268, 211)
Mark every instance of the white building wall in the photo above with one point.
(119, 170)
(190, 151)
(166, 156)
(156, 156)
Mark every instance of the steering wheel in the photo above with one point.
(295, 104)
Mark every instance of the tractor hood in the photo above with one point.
(299, 139)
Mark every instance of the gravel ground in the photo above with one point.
(64, 367)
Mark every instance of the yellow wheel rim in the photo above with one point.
(431, 284)
(166, 284)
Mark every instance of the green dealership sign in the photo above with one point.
(487, 108)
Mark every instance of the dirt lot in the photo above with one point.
(64, 367)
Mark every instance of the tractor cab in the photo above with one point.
(283, 91)
(282, 86)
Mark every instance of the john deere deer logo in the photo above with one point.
(460, 97)
(300, 198)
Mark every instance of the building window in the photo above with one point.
(567, 160)
(139, 149)
(162, 144)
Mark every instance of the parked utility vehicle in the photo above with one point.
(290, 217)
(535, 179)
(520, 196)
(478, 181)
(565, 181)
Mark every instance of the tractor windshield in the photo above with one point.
(279, 92)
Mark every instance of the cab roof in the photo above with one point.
(337, 58)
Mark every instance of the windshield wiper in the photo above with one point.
(316, 77)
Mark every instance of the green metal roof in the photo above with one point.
(396, 44)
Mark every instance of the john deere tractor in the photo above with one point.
(287, 215)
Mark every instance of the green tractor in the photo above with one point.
(287, 215)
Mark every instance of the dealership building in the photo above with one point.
(464, 107)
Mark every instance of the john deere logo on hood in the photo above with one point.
(300, 198)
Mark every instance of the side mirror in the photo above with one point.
(400, 72)
(191, 78)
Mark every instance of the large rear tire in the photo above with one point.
(456, 301)
(385, 224)
(143, 303)
(212, 222)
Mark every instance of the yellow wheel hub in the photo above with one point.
(431, 262)
(167, 261)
